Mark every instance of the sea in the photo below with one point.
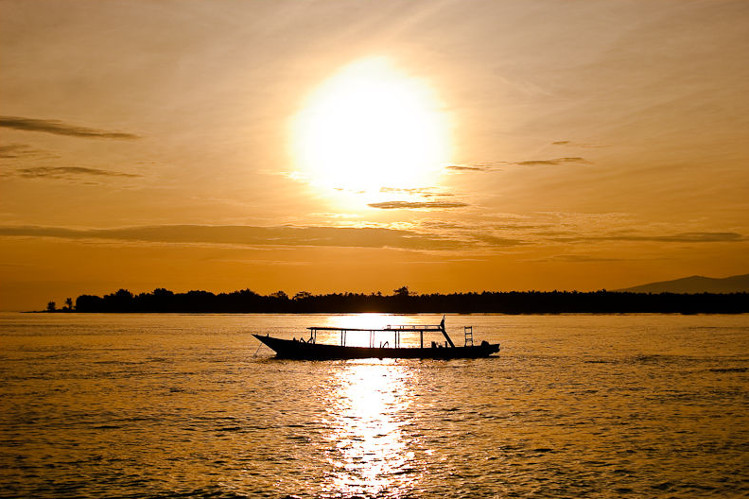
(182, 406)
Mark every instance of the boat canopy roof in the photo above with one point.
(404, 327)
(395, 329)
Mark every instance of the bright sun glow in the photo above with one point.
(371, 127)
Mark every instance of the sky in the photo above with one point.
(310, 145)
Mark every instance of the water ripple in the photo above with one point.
(576, 406)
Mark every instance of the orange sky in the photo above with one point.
(362, 146)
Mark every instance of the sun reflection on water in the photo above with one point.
(370, 454)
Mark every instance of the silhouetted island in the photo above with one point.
(403, 301)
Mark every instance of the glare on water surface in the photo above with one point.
(365, 416)
(178, 406)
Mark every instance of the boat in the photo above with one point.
(310, 349)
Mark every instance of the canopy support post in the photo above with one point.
(444, 332)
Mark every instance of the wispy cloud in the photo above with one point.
(426, 192)
(552, 162)
(686, 237)
(477, 168)
(494, 167)
(69, 172)
(18, 151)
(413, 190)
(570, 143)
(496, 242)
(347, 237)
(417, 205)
(61, 128)
(251, 236)
(467, 168)
(578, 259)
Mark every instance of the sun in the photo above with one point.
(369, 127)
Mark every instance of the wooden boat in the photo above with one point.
(309, 349)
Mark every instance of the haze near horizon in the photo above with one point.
(348, 146)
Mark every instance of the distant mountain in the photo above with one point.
(696, 284)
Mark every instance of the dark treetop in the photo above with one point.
(406, 302)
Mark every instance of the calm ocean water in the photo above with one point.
(183, 406)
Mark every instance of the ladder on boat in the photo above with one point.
(468, 332)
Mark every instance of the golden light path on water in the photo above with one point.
(366, 412)
(371, 127)
(366, 417)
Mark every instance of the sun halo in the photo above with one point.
(370, 127)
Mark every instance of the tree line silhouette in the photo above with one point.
(404, 301)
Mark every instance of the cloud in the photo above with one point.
(533, 162)
(251, 236)
(690, 237)
(575, 144)
(496, 242)
(423, 191)
(68, 172)
(427, 192)
(494, 166)
(552, 162)
(466, 168)
(686, 237)
(17, 151)
(578, 259)
(60, 128)
(417, 205)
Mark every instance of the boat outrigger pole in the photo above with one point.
(444, 332)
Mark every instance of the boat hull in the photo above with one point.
(294, 349)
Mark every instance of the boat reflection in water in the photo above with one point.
(369, 453)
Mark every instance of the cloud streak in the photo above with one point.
(417, 191)
(417, 205)
(251, 236)
(685, 237)
(579, 259)
(343, 237)
(575, 144)
(477, 168)
(59, 128)
(552, 162)
(18, 151)
(532, 162)
(688, 237)
(68, 172)
(466, 168)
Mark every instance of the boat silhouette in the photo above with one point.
(310, 349)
